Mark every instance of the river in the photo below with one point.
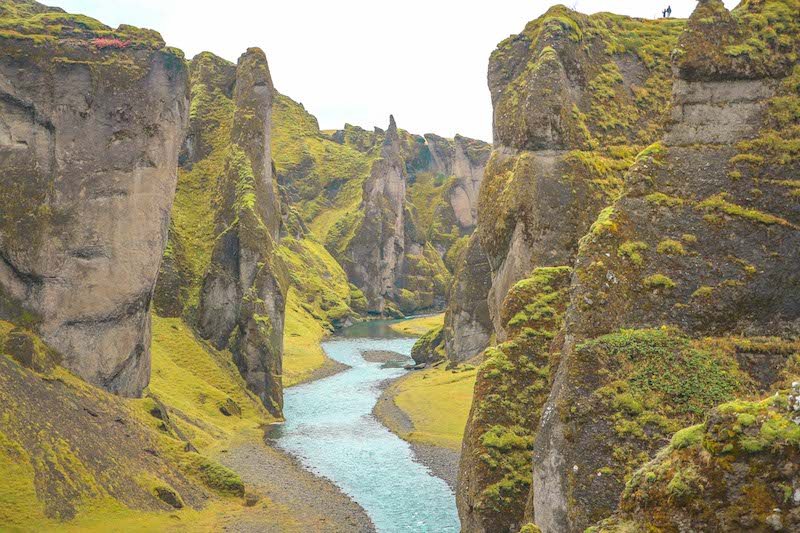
(330, 429)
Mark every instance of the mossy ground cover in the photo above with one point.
(736, 470)
(302, 335)
(81, 458)
(418, 326)
(192, 378)
(437, 402)
(41, 24)
(512, 385)
(321, 177)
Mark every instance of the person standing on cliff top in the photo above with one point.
(669, 11)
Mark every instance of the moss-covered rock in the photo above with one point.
(430, 347)
(92, 122)
(512, 386)
(720, 261)
(736, 471)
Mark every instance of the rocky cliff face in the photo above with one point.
(373, 257)
(432, 208)
(737, 471)
(705, 241)
(91, 121)
(682, 292)
(574, 98)
(222, 268)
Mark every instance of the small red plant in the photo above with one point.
(106, 42)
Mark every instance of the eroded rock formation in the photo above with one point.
(705, 241)
(419, 203)
(242, 300)
(682, 293)
(90, 128)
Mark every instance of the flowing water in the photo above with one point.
(330, 429)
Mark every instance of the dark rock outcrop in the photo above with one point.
(468, 326)
(91, 121)
(242, 300)
(738, 471)
(574, 97)
(374, 255)
(570, 113)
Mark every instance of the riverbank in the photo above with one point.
(429, 409)
(291, 497)
(329, 429)
(192, 379)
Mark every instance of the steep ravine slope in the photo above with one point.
(716, 228)
(221, 270)
(575, 98)
(682, 295)
(91, 121)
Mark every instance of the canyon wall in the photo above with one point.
(703, 246)
(221, 270)
(330, 178)
(90, 129)
(645, 292)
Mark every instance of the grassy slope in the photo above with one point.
(194, 380)
(319, 295)
(437, 402)
(188, 377)
(314, 164)
(418, 326)
(302, 353)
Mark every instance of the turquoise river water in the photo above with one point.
(330, 429)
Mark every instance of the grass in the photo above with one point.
(720, 203)
(188, 376)
(191, 376)
(418, 326)
(302, 335)
(437, 401)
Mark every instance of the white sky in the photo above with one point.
(357, 61)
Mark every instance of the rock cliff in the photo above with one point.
(703, 242)
(574, 98)
(419, 203)
(373, 258)
(682, 293)
(91, 122)
(221, 270)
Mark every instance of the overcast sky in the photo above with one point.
(357, 61)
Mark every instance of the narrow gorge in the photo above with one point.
(216, 314)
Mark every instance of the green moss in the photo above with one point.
(670, 247)
(604, 223)
(512, 385)
(719, 203)
(703, 292)
(323, 177)
(688, 436)
(664, 368)
(664, 200)
(215, 476)
(658, 281)
(631, 250)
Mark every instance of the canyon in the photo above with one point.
(617, 272)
